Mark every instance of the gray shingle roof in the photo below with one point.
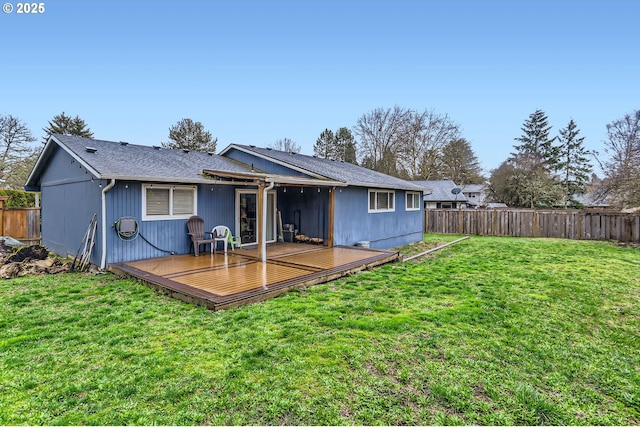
(138, 162)
(117, 160)
(440, 191)
(332, 169)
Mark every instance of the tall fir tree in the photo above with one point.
(535, 142)
(574, 166)
(535, 163)
(324, 144)
(190, 135)
(459, 163)
(340, 145)
(345, 145)
(67, 125)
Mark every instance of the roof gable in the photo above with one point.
(121, 160)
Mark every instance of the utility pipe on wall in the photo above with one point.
(103, 262)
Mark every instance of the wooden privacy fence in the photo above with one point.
(20, 223)
(562, 223)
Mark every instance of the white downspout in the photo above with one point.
(263, 241)
(103, 262)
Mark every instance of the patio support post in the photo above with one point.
(262, 223)
(332, 204)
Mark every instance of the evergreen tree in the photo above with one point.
(535, 142)
(189, 135)
(574, 165)
(324, 145)
(459, 163)
(345, 144)
(535, 161)
(340, 145)
(67, 125)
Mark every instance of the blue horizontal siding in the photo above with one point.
(384, 230)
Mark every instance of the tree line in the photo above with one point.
(544, 170)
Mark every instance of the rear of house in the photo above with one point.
(158, 189)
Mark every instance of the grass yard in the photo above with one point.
(488, 331)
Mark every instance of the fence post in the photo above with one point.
(2, 200)
(579, 224)
(495, 222)
(535, 223)
(426, 221)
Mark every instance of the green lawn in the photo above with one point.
(487, 331)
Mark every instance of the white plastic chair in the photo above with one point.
(220, 233)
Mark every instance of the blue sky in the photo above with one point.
(254, 72)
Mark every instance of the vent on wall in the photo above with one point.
(90, 149)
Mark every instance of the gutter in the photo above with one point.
(103, 262)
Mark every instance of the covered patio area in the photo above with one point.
(219, 281)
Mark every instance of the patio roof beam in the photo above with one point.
(256, 178)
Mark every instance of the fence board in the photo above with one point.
(21, 223)
(567, 224)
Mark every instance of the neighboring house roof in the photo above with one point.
(121, 160)
(474, 188)
(591, 200)
(336, 170)
(496, 205)
(440, 191)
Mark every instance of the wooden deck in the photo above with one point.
(220, 281)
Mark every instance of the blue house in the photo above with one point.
(254, 191)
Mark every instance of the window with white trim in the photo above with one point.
(381, 201)
(168, 201)
(413, 200)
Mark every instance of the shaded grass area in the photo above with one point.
(488, 331)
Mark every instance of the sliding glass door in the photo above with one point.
(247, 212)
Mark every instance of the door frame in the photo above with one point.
(271, 193)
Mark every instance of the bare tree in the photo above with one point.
(518, 183)
(428, 134)
(404, 142)
(622, 169)
(285, 144)
(380, 133)
(15, 140)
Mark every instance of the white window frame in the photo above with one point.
(171, 188)
(376, 209)
(413, 196)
